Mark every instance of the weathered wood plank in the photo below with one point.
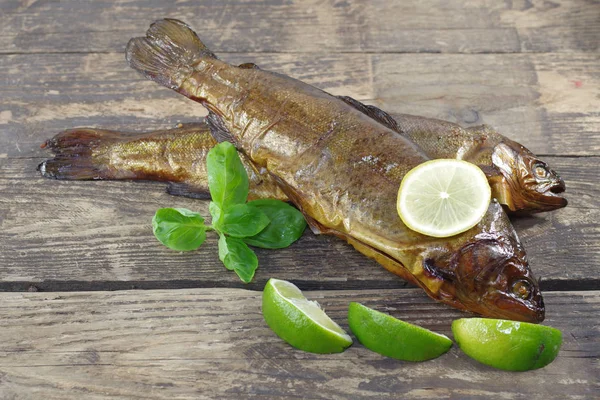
(548, 102)
(313, 25)
(63, 235)
(213, 343)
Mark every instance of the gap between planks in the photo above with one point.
(66, 236)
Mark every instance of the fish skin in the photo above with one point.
(342, 169)
(177, 156)
(509, 167)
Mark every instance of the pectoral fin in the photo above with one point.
(218, 129)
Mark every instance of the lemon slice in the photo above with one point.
(508, 345)
(299, 321)
(442, 197)
(394, 338)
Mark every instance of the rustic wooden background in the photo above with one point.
(70, 251)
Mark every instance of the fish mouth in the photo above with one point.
(509, 308)
(505, 306)
(540, 198)
(550, 197)
(557, 187)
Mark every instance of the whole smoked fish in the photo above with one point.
(520, 181)
(342, 169)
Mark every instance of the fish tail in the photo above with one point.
(74, 155)
(168, 53)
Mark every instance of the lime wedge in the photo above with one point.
(299, 321)
(394, 338)
(508, 345)
(443, 197)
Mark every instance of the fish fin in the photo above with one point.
(249, 65)
(187, 190)
(73, 151)
(168, 53)
(386, 261)
(435, 273)
(373, 112)
(316, 227)
(218, 129)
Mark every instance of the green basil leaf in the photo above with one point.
(223, 249)
(241, 220)
(215, 213)
(227, 177)
(237, 256)
(179, 229)
(286, 226)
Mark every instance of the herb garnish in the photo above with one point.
(266, 223)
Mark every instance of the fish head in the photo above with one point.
(485, 270)
(532, 186)
(494, 278)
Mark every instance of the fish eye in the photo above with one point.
(540, 171)
(522, 289)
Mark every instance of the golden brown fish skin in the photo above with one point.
(175, 155)
(531, 185)
(520, 181)
(343, 170)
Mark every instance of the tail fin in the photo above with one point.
(168, 52)
(73, 151)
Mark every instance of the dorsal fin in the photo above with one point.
(249, 65)
(373, 112)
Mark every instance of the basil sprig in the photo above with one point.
(268, 223)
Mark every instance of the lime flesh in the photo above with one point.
(394, 338)
(443, 197)
(299, 321)
(507, 345)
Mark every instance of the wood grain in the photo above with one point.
(97, 235)
(69, 235)
(547, 102)
(412, 26)
(213, 343)
(527, 67)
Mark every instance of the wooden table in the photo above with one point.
(74, 255)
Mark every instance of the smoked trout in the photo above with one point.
(521, 182)
(342, 169)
